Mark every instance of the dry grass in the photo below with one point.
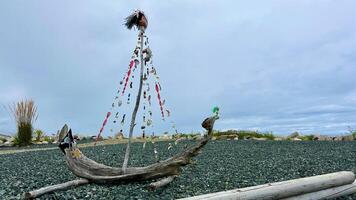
(24, 111)
(25, 114)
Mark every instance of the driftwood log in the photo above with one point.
(316, 187)
(92, 172)
(330, 193)
(52, 188)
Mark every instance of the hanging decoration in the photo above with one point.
(149, 122)
(132, 63)
(141, 59)
(148, 55)
(170, 146)
(132, 66)
(128, 98)
(159, 100)
(102, 127)
(123, 119)
(216, 110)
(155, 152)
(137, 20)
(149, 100)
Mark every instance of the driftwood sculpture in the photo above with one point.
(86, 168)
(90, 171)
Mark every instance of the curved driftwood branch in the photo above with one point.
(86, 168)
(92, 172)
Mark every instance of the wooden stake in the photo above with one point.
(134, 113)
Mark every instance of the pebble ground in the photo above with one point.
(222, 165)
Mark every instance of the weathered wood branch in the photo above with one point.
(137, 105)
(91, 171)
(83, 167)
(63, 186)
(86, 168)
(161, 183)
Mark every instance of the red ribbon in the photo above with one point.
(102, 127)
(132, 63)
(159, 100)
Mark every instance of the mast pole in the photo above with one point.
(138, 98)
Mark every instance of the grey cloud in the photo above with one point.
(275, 65)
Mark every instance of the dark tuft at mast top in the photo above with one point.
(137, 19)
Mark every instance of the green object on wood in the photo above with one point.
(216, 110)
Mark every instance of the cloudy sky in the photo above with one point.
(274, 65)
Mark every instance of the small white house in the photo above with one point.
(165, 136)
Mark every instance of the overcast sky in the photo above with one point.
(280, 66)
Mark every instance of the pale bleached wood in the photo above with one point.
(330, 193)
(134, 113)
(86, 168)
(284, 189)
(63, 186)
(93, 172)
(83, 167)
(161, 183)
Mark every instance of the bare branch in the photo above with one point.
(134, 113)
(63, 186)
(161, 183)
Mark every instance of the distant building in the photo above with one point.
(4, 137)
(322, 138)
(260, 139)
(119, 135)
(165, 136)
(76, 137)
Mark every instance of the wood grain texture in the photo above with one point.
(284, 189)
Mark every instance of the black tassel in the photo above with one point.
(136, 19)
